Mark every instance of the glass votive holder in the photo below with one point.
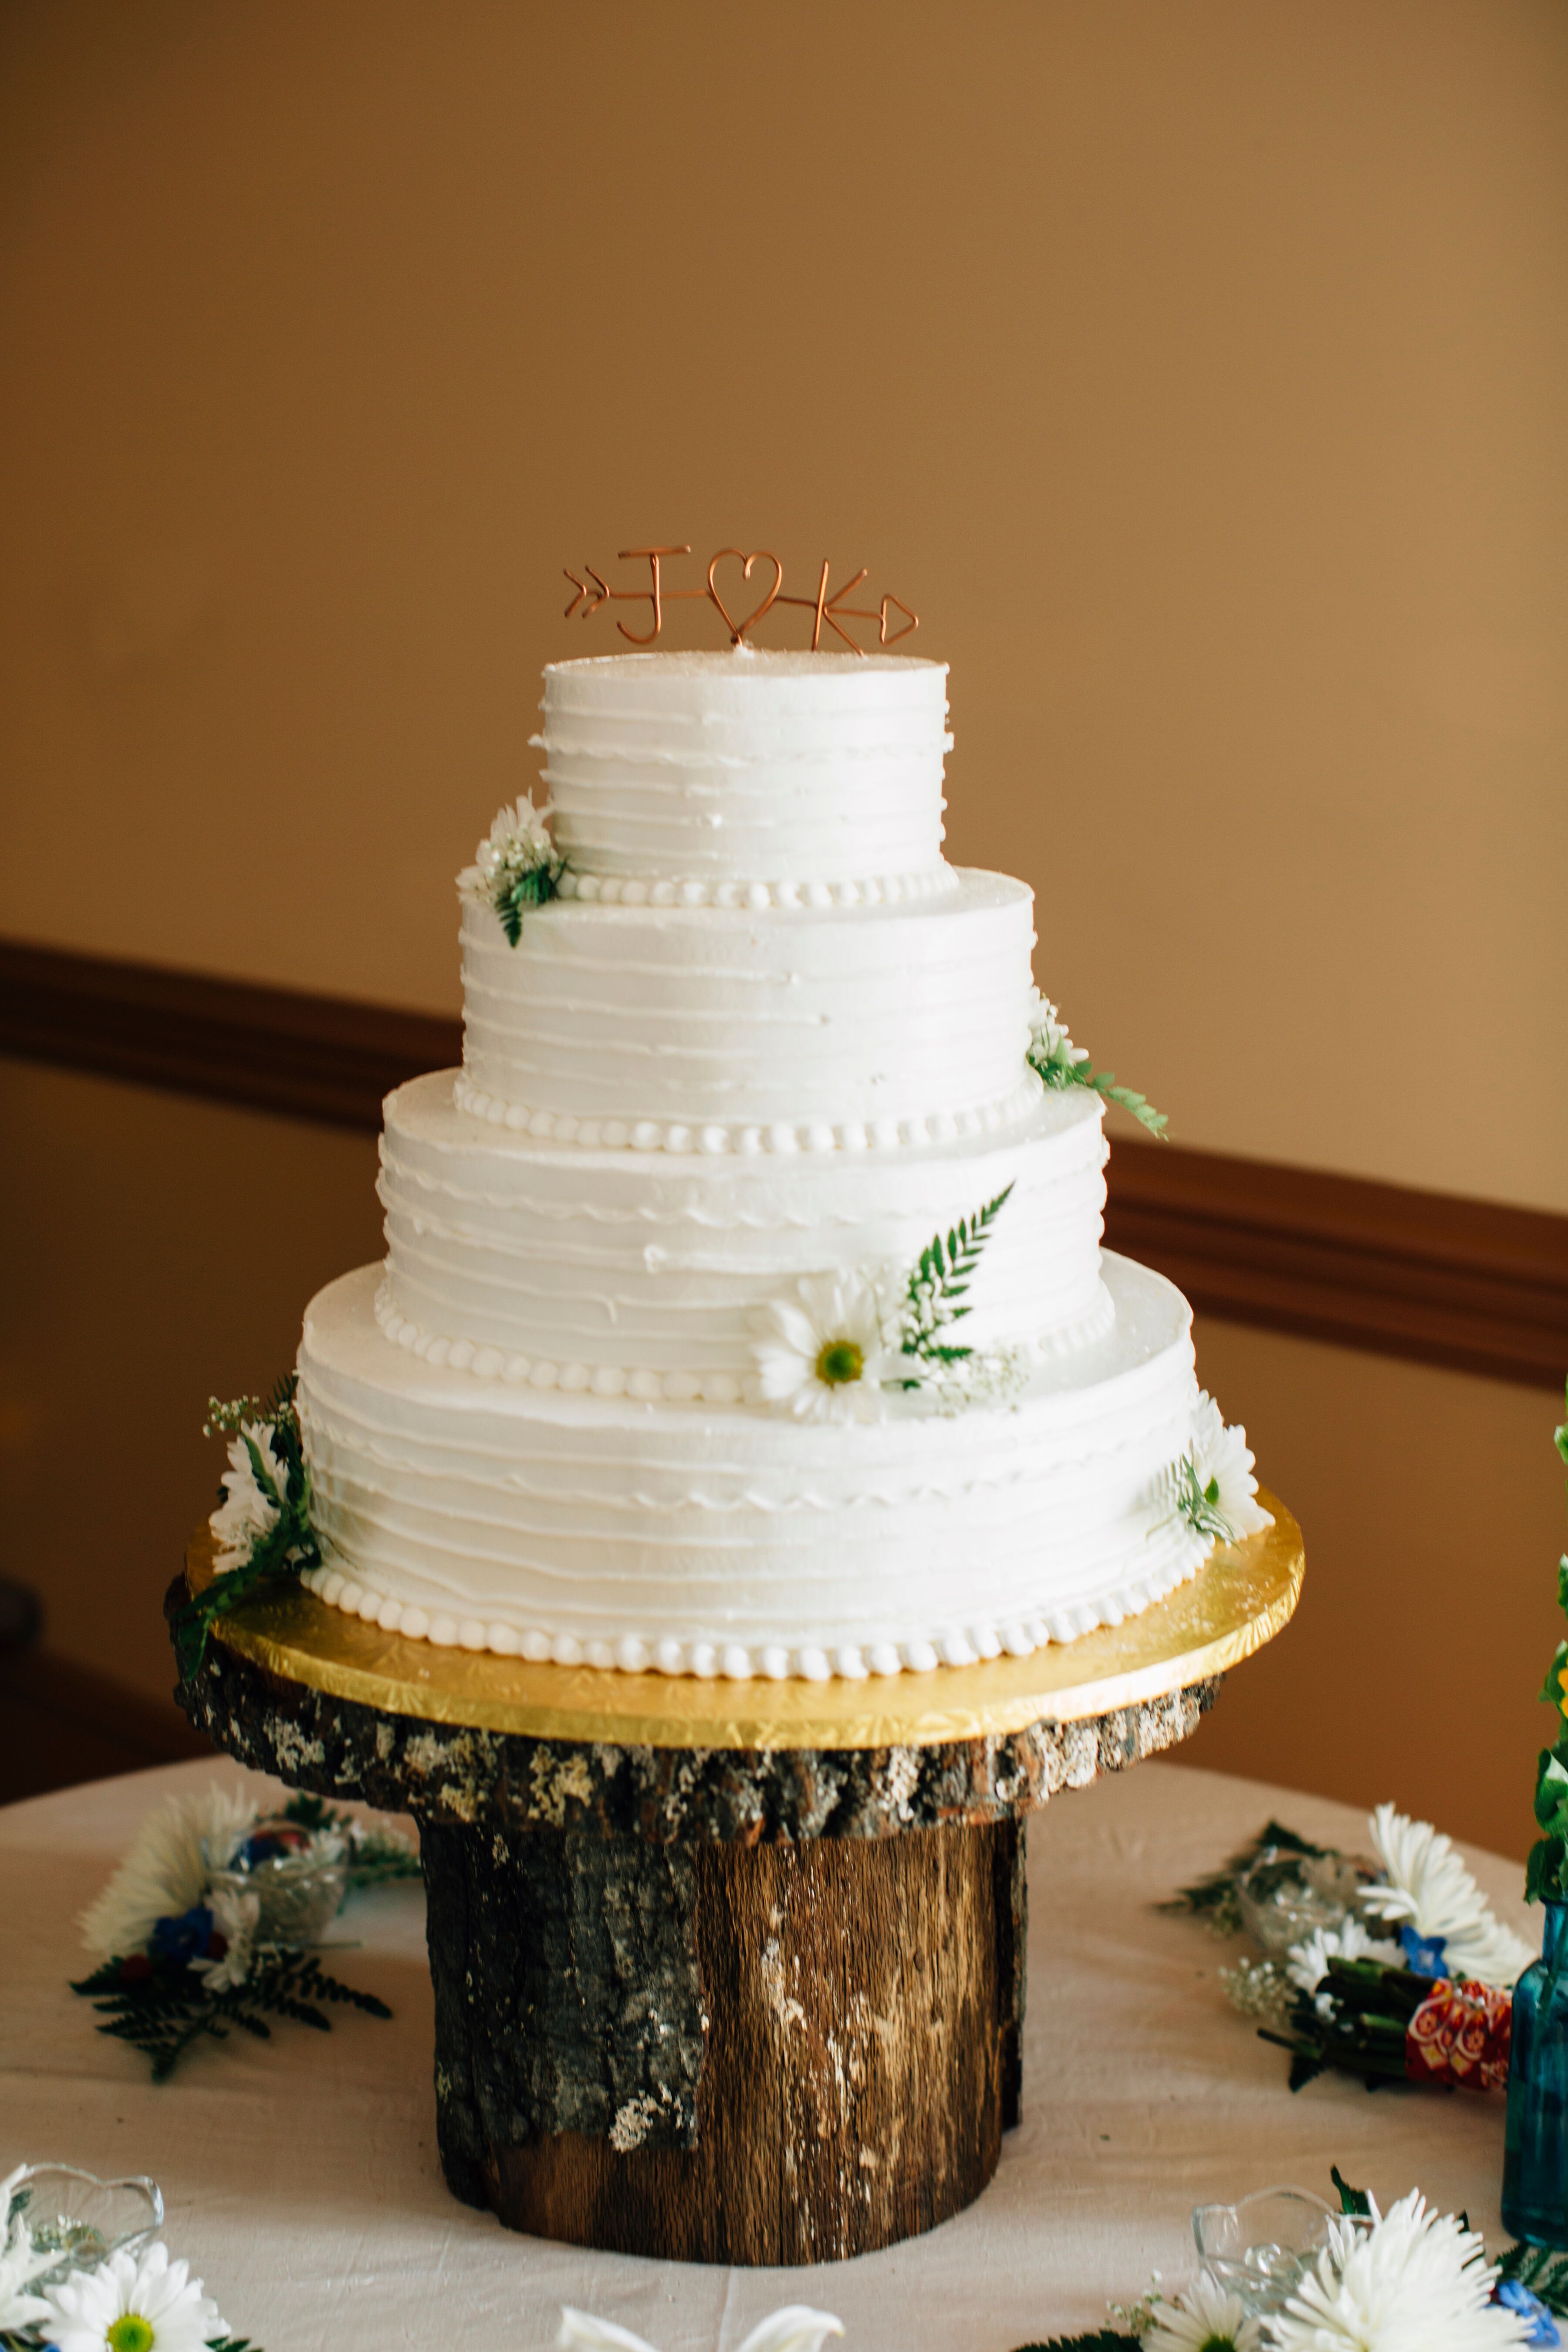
(1263, 2246)
(81, 2218)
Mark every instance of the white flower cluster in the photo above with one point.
(1051, 1050)
(189, 1862)
(517, 845)
(1415, 2281)
(1212, 1488)
(249, 1511)
(126, 2299)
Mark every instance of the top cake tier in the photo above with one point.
(747, 768)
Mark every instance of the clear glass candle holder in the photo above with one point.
(84, 2220)
(1264, 2245)
(300, 1879)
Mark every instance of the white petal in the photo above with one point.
(581, 2332)
(795, 2328)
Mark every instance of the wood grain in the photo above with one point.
(1476, 1285)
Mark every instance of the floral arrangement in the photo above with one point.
(1412, 2280)
(1215, 1489)
(209, 1923)
(1546, 1874)
(795, 2328)
(1398, 1971)
(63, 2290)
(515, 866)
(845, 1342)
(262, 1524)
(1053, 1056)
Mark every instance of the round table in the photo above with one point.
(301, 2174)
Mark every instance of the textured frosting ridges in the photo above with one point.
(709, 1016)
(641, 1534)
(746, 766)
(538, 1260)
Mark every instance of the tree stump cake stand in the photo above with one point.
(723, 1972)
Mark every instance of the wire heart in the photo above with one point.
(764, 555)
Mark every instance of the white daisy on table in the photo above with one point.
(20, 2264)
(1208, 2318)
(132, 2304)
(1416, 2282)
(795, 2328)
(825, 1354)
(1430, 1892)
(167, 1868)
(249, 1511)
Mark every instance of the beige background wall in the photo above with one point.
(1197, 373)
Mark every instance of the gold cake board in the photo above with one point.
(1241, 1596)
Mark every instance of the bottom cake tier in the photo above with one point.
(690, 1539)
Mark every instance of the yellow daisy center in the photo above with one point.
(131, 2334)
(838, 1360)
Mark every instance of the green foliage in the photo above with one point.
(941, 1278)
(1199, 1506)
(1546, 1872)
(1545, 2273)
(164, 2007)
(515, 893)
(1103, 2339)
(1058, 1069)
(1213, 1899)
(1370, 2008)
(1352, 2200)
(289, 1545)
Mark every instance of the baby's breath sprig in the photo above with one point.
(264, 1521)
(1060, 1064)
(516, 867)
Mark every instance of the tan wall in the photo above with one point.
(1196, 371)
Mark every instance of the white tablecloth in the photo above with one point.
(301, 2178)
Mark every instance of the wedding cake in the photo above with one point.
(743, 1309)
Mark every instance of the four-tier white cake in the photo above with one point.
(653, 1375)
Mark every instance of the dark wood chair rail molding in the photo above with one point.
(1474, 1284)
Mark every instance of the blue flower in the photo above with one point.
(184, 1939)
(1513, 2296)
(1423, 1953)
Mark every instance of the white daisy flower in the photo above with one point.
(1307, 1963)
(1221, 1462)
(248, 1512)
(130, 2303)
(20, 2264)
(1208, 2318)
(1430, 1891)
(795, 2328)
(1416, 2282)
(236, 1917)
(167, 1868)
(825, 1354)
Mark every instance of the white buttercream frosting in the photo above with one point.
(747, 766)
(605, 1529)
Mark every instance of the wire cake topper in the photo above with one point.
(826, 611)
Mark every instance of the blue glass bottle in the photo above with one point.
(1535, 2153)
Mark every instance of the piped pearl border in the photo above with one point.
(782, 1137)
(773, 1662)
(868, 890)
(486, 1362)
